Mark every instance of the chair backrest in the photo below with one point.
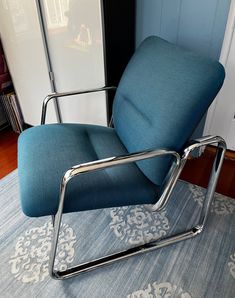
(163, 94)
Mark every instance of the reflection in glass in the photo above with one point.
(55, 13)
(18, 16)
(78, 19)
(74, 37)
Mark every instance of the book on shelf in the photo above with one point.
(13, 111)
(3, 120)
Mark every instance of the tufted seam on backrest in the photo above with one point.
(136, 108)
(92, 145)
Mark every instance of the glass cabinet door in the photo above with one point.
(75, 42)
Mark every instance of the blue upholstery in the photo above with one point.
(163, 94)
(46, 152)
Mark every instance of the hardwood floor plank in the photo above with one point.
(8, 152)
(197, 171)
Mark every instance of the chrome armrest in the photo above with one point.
(171, 178)
(111, 162)
(203, 141)
(115, 161)
(170, 181)
(64, 94)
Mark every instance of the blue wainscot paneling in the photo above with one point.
(197, 25)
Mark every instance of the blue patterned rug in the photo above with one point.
(200, 267)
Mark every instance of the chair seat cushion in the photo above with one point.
(46, 152)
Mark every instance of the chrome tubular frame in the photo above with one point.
(164, 197)
(64, 94)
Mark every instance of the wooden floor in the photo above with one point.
(8, 151)
(196, 171)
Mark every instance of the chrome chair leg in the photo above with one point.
(53, 220)
(197, 229)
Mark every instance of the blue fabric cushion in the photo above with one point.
(164, 92)
(46, 152)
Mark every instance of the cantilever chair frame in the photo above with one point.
(166, 190)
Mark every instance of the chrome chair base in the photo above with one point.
(169, 184)
(73, 271)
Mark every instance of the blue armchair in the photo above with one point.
(164, 92)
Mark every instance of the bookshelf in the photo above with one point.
(10, 112)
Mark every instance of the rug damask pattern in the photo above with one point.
(199, 267)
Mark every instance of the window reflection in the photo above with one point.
(77, 19)
(18, 15)
(55, 13)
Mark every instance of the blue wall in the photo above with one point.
(198, 25)
(195, 24)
